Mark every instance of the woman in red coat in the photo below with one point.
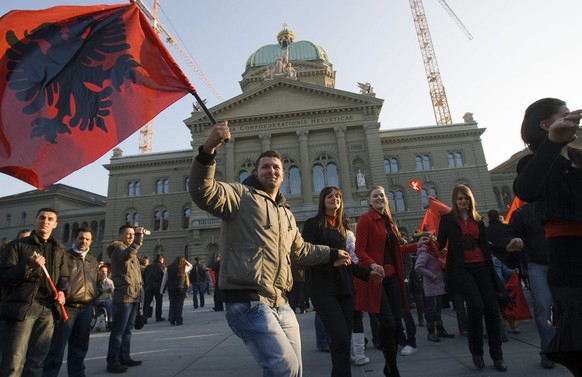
(378, 247)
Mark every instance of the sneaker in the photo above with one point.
(547, 363)
(408, 350)
(116, 368)
(362, 361)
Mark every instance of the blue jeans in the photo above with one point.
(271, 335)
(120, 337)
(198, 289)
(33, 335)
(432, 308)
(542, 302)
(76, 333)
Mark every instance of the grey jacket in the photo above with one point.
(126, 271)
(258, 236)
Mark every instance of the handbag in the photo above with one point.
(140, 319)
(517, 310)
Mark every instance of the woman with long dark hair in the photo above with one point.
(552, 179)
(176, 280)
(379, 247)
(331, 288)
(470, 272)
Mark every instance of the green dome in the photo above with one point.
(301, 50)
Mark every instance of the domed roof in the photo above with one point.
(301, 50)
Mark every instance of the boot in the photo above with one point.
(358, 348)
(440, 330)
(390, 366)
(431, 332)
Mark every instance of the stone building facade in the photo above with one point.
(326, 136)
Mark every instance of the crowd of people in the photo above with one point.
(347, 273)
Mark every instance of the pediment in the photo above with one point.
(288, 97)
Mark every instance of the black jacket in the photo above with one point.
(22, 284)
(325, 279)
(450, 230)
(527, 226)
(153, 275)
(549, 179)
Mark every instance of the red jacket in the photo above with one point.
(370, 240)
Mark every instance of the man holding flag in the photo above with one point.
(28, 301)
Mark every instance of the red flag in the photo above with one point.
(76, 81)
(432, 217)
(515, 204)
(415, 185)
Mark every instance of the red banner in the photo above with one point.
(76, 81)
(515, 204)
(432, 217)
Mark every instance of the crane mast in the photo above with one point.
(438, 96)
(146, 132)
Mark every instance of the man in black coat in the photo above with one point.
(153, 275)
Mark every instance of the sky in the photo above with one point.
(521, 51)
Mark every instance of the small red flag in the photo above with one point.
(432, 217)
(74, 82)
(515, 204)
(415, 185)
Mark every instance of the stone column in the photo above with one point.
(229, 168)
(305, 168)
(344, 164)
(375, 156)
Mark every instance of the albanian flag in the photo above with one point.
(432, 217)
(74, 82)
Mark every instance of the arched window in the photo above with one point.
(294, 181)
(159, 186)
(165, 220)
(426, 162)
(187, 214)
(128, 218)
(130, 189)
(187, 184)
(67, 232)
(166, 186)
(392, 201)
(137, 189)
(418, 160)
(243, 175)
(95, 228)
(325, 173)
(74, 230)
(425, 194)
(400, 205)
(85, 224)
(458, 159)
(135, 219)
(451, 159)
(157, 220)
(318, 178)
(332, 176)
(101, 229)
(424, 198)
(387, 166)
(23, 218)
(394, 165)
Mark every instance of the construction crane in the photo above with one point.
(438, 96)
(146, 132)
